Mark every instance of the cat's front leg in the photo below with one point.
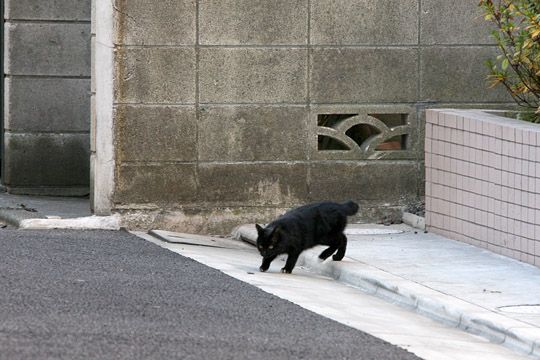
(289, 264)
(266, 262)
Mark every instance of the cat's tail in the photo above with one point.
(350, 207)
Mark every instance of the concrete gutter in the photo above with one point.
(422, 299)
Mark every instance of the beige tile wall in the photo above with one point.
(483, 181)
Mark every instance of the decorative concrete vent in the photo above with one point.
(362, 135)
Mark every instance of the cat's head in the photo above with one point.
(268, 240)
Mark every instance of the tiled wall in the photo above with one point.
(483, 181)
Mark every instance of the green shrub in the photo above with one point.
(517, 34)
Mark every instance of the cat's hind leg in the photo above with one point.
(342, 246)
(333, 241)
(326, 253)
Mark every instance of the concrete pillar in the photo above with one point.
(102, 125)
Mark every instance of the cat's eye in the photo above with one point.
(271, 247)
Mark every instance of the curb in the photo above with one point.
(82, 223)
(33, 221)
(436, 305)
(414, 221)
(15, 216)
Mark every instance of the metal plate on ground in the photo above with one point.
(199, 240)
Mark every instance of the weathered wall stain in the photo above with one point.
(217, 104)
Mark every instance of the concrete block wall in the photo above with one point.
(217, 104)
(47, 97)
(483, 181)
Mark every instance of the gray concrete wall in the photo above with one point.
(219, 105)
(47, 96)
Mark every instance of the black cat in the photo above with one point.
(302, 228)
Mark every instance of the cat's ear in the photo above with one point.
(259, 228)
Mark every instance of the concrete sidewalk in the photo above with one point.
(461, 285)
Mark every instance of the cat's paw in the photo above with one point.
(286, 271)
(323, 256)
(262, 269)
(337, 257)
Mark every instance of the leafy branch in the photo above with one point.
(517, 34)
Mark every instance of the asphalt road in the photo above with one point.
(111, 295)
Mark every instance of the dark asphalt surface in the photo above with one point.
(111, 295)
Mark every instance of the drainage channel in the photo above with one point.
(521, 309)
(371, 231)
